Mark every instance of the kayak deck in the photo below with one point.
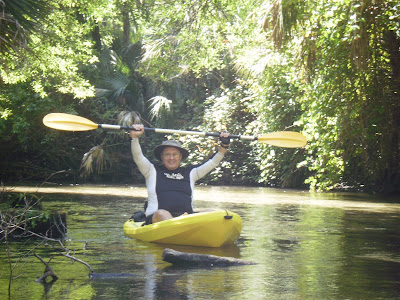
(208, 229)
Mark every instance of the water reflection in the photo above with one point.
(306, 246)
(245, 195)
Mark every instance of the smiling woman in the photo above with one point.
(171, 144)
(170, 186)
(171, 158)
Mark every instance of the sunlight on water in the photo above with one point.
(246, 195)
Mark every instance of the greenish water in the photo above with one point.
(306, 246)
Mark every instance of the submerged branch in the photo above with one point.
(48, 271)
(78, 260)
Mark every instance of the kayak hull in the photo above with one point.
(208, 229)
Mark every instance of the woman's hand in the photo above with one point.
(139, 130)
(225, 141)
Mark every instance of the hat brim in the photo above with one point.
(158, 150)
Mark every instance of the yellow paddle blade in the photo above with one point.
(68, 122)
(287, 139)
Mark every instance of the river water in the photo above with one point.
(305, 246)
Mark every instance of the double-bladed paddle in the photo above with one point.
(61, 121)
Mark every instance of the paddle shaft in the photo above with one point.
(172, 131)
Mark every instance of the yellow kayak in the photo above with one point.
(208, 229)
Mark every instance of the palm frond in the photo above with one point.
(103, 93)
(117, 84)
(274, 20)
(154, 48)
(128, 118)
(93, 161)
(160, 109)
(26, 13)
(12, 36)
(17, 18)
(119, 64)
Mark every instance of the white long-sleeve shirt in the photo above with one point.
(171, 190)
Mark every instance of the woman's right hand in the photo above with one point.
(139, 130)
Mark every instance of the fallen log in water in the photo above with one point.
(193, 259)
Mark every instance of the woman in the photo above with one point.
(170, 186)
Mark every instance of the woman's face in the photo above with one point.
(171, 158)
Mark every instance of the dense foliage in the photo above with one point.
(329, 69)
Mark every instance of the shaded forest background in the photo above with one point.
(330, 70)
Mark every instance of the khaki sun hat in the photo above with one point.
(170, 143)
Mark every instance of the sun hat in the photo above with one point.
(170, 143)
